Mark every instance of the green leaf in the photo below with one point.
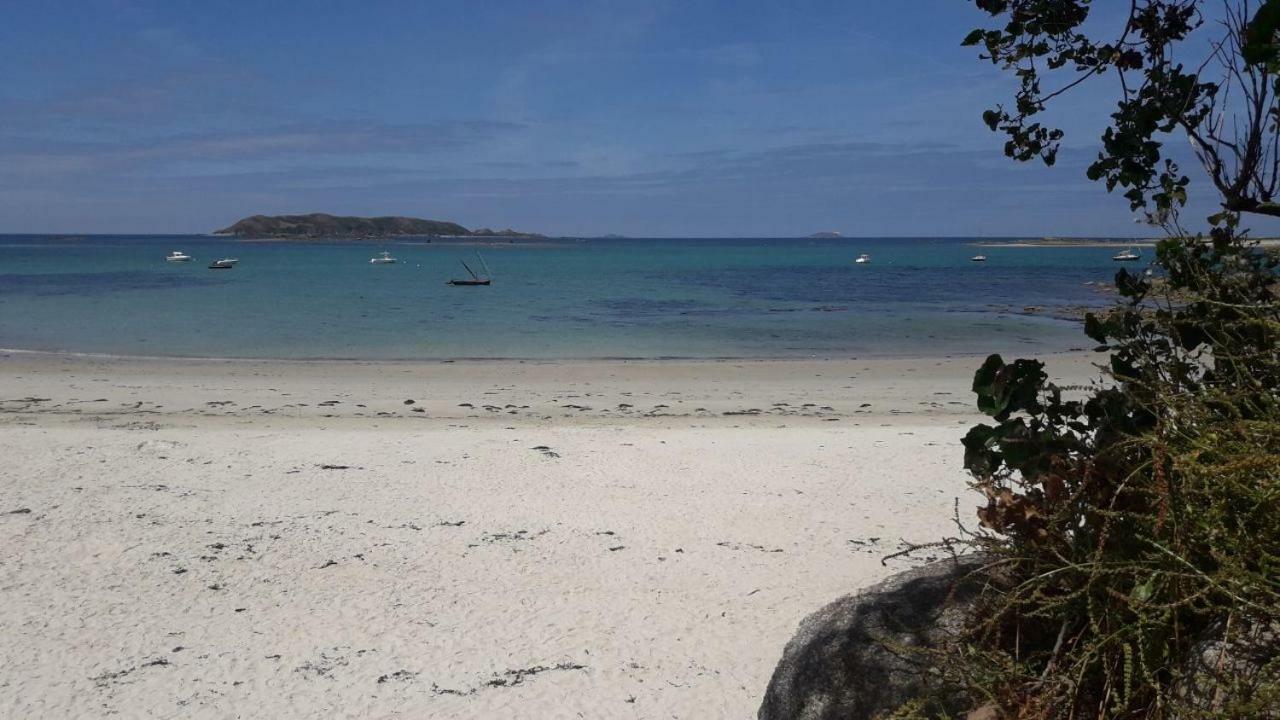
(1094, 329)
(980, 456)
(1005, 389)
(984, 384)
(1260, 46)
(1143, 592)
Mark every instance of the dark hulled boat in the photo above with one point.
(475, 279)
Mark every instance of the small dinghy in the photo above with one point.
(978, 258)
(178, 256)
(475, 279)
(223, 264)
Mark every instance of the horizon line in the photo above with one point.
(607, 236)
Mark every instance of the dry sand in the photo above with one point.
(537, 540)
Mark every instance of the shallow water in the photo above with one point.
(555, 299)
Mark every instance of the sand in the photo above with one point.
(199, 538)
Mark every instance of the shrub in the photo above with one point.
(1131, 523)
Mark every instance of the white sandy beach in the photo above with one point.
(213, 539)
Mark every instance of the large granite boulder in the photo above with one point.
(846, 660)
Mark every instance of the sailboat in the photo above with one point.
(475, 279)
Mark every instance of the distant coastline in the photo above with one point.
(1068, 242)
(1051, 242)
(322, 226)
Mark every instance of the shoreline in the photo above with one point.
(625, 393)
(641, 359)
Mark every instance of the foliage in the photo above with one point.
(1131, 520)
(1044, 40)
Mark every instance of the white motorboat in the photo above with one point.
(1126, 256)
(178, 256)
(223, 264)
(863, 259)
(383, 259)
(978, 258)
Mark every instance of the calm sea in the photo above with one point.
(559, 299)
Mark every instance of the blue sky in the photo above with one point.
(681, 118)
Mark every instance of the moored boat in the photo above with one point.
(383, 259)
(178, 256)
(863, 259)
(475, 279)
(223, 264)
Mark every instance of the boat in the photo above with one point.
(178, 256)
(863, 259)
(475, 279)
(978, 258)
(1126, 256)
(383, 259)
(223, 264)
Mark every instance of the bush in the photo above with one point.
(1132, 521)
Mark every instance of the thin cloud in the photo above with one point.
(51, 156)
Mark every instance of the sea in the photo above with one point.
(549, 299)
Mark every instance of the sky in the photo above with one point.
(682, 118)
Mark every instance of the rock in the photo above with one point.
(837, 666)
(1221, 670)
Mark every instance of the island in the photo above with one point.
(826, 235)
(322, 225)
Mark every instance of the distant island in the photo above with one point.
(828, 234)
(322, 225)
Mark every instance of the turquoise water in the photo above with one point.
(558, 299)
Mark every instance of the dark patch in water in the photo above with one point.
(952, 288)
(97, 283)
(648, 308)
